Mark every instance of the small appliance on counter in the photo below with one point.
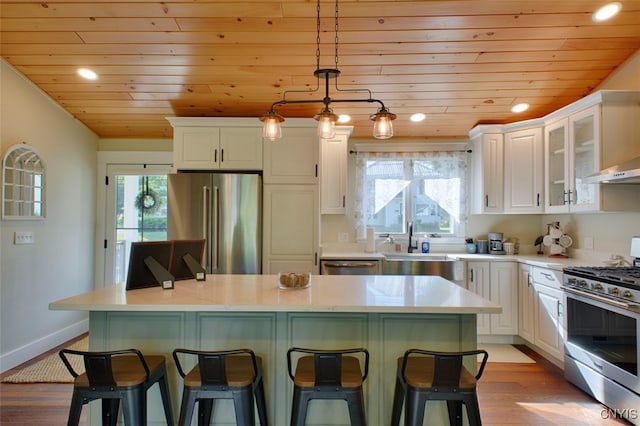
(496, 243)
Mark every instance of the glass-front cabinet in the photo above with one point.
(571, 153)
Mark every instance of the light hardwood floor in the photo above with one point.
(510, 394)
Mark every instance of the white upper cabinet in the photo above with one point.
(523, 171)
(571, 154)
(211, 143)
(333, 172)
(293, 159)
(487, 170)
(515, 169)
(592, 134)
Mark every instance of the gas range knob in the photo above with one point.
(627, 294)
(572, 281)
(582, 283)
(597, 287)
(615, 291)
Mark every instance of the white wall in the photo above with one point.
(60, 262)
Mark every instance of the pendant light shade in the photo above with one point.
(383, 129)
(326, 123)
(382, 124)
(271, 129)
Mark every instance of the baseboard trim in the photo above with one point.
(39, 346)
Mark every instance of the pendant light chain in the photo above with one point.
(336, 36)
(318, 29)
(382, 127)
(318, 35)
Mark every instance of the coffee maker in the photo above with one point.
(495, 243)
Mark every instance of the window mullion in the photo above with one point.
(410, 204)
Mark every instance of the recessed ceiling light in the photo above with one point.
(87, 73)
(344, 118)
(520, 108)
(607, 11)
(417, 117)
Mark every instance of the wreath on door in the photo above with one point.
(147, 201)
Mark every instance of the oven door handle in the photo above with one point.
(596, 297)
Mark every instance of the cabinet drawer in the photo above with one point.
(548, 277)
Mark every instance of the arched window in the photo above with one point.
(23, 183)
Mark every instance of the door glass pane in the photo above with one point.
(584, 151)
(141, 215)
(556, 171)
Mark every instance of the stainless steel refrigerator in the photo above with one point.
(226, 210)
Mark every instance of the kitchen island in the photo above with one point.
(385, 314)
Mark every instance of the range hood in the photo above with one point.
(628, 172)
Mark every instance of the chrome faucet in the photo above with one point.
(410, 246)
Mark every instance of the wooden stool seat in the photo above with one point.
(239, 373)
(428, 375)
(328, 374)
(420, 373)
(127, 370)
(233, 374)
(115, 377)
(351, 375)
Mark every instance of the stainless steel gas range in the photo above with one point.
(602, 350)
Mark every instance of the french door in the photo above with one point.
(135, 209)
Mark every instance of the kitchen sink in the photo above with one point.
(425, 264)
(416, 256)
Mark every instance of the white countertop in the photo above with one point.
(534, 260)
(260, 293)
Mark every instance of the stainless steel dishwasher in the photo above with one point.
(349, 267)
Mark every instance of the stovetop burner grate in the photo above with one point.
(619, 274)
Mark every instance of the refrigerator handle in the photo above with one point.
(206, 196)
(216, 228)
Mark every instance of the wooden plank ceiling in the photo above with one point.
(459, 62)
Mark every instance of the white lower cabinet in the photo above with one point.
(541, 310)
(549, 312)
(526, 301)
(498, 282)
(479, 279)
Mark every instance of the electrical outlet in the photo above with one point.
(588, 243)
(23, 237)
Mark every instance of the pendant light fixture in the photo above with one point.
(382, 119)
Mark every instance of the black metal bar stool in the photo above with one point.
(328, 374)
(235, 374)
(426, 376)
(114, 377)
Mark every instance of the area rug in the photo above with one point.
(50, 369)
(504, 353)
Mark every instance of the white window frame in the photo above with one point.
(412, 148)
